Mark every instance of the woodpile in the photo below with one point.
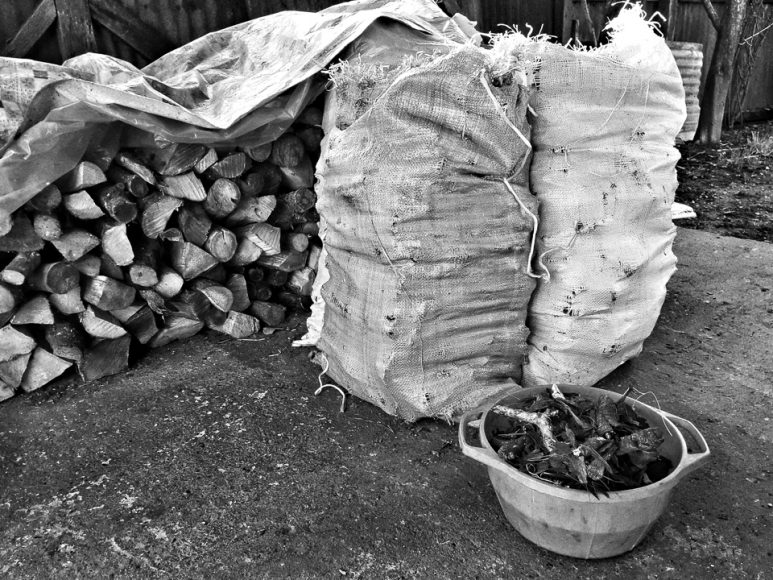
(153, 246)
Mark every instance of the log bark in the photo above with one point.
(154, 300)
(42, 368)
(268, 313)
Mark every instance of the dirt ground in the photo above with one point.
(212, 458)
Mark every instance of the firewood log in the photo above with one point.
(175, 158)
(105, 358)
(42, 368)
(217, 274)
(237, 325)
(276, 278)
(221, 244)
(143, 271)
(293, 301)
(310, 116)
(295, 242)
(218, 296)
(100, 324)
(255, 274)
(311, 138)
(36, 310)
(109, 268)
(251, 185)
(176, 328)
(300, 175)
(82, 206)
(14, 343)
(6, 391)
(238, 286)
(18, 269)
(315, 252)
(230, 167)
(194, 223)
(66, 340)
(189, 260)
(246, 253)
(287, 261)
(268, 313)
(190, 304)
(185, 186)
(9, 298)
(55, 277)
(49, 198)
(84, 175)
(154, 300)
(263, 235)
(134, 184)
(47, 226)
(68, 302)
(108, 294)
(170, 283)
(6, 222)
(299, 200)
(307, 228)
(259, 153)
(252, 210)
(287, 151)
(22, 237)
(272, 177)
(301, 281)
(157, 209)
(75, 244)
(88, 265)
(114, 200)
(171, 235)
(139, 320)
(116, 244)
(12, 371)
(128, 161)
(222, 198)
(206, 161)
(259, 291)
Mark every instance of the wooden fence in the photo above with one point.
(141, 30)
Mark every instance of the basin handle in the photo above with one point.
(480, 454)
(694, 459)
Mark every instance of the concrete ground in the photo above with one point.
(212, 459)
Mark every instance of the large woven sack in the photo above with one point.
(424, 194)
(604, 171)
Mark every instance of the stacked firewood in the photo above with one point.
(153, 245)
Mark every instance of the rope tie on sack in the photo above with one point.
(322, 385)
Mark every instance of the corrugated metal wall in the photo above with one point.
(180, 21)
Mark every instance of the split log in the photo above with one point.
(68, 302)
(301, 281)
(18, 269)
(116, 244)
(185, 186)
(143, 271)
(82, 206)
(171, 235)
(222, 198)
(295, 242)
(238, 286)
(269, 313)
(299, 200)
(263, 235)
(42, 368)
(56, 277)
(116, 202)
(105, 358)
(133, 183)
(218, 296)
(36, 310)
(259, 153)
(293, 301)
(155, 301)
(157, 209)
(66, 340)
(272, 177)
(312, 139)
(88, 265)
(252, 210)
(12, 371)
(194, 223)
(287, 151)
(176, 158)
(14, 343)
(6, 391)
(238, 325)
(22, 237)
(315, 253)
(170, 283)
(251, 185)
(85, 174)
(230, 167)
(190, 304)
(286, 261)
(189, 260)
(300, 175)
(109, 268)
(221, 244)
(100, 324)
(206, 161)
(9, 298)
(75, 244)
(176, 328)
(139, 320)
(128, 161)
(49, 198)
(246, 253)
(108, 294)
